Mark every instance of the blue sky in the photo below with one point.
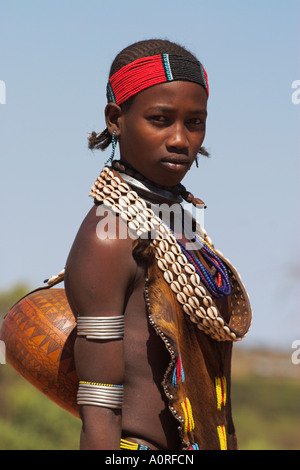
(54, 60)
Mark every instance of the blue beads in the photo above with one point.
(205, 275)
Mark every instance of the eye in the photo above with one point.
(196, 121)
(159, 118)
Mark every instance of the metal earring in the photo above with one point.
(197, 163)
(113, 144)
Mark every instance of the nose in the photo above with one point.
(177, 139)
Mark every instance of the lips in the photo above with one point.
(176, 159)
(176, 162)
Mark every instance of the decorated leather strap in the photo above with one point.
(178, 272)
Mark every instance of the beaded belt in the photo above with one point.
(127, 445)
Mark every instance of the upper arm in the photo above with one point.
(99, 275)
(99, 272)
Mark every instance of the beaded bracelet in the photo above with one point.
(99, 394)
(101, 327)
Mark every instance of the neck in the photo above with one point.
(149, 189)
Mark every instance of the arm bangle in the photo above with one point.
(101, 327)
(106, 395)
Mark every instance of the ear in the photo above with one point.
(113, 112)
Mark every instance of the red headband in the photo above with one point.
(149, 71)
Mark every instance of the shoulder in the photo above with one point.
(100, 262)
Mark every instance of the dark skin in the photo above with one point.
(159, 135)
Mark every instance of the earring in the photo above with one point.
(197, 163)
(113, 144)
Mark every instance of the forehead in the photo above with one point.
(176, 95)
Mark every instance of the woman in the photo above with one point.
(156, 321)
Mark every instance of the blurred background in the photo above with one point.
(54, 62)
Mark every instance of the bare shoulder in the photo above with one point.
(100, 266)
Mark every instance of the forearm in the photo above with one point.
(101, 428)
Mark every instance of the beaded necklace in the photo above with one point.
(179, 271)
(178, 190)
(218, 289)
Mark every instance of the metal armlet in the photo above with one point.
(101, 327)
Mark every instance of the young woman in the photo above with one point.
(156, 321)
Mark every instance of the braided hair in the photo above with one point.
(131, 53)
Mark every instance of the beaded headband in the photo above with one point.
(153, 70)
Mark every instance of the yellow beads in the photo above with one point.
(220, 391)
(222, 437)
(189, 424)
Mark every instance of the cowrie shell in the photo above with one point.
(123, 188)
(187, 309)
(115, 181)
(148, 213)
(168, 276)
(176, 249)
(194, 319)
(132, 210)
(188, 290)
(207, 301)
(133, 224)
(163, 245)
(155, 220)
(170, 257)
(107, 189)
(158, 253)
(189, 269)
(125, 216)
(176, 268)
(132, 195)
(117, 208)
(99, 197)
(108, 201)
(194, 302)
(140, 203)
(116, 194)
(200, 291)
(195, 279)
(175, 286)
(140, 217)
(182, 259)
(212, 312)
(226, 329)
(181, 298)
(200, 326)
(124, 201)
(148, 226)
(206, 322)
(171, 239)
(162, 264)
(201, 312)
(182, 279)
